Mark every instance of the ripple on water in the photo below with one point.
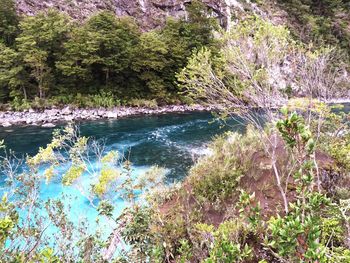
(172, 141)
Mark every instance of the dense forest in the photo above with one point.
(49, 58)
(276, 191)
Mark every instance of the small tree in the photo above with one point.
(263, 67)
(12, 73)
(40, 43)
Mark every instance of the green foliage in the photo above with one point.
(228, 242)
(217, 176)
(105, 56)
(12, 74)
(297, 236)
(105, 208)
(150, 61)
(40, 44)
(72, 174)
(248, 209)
(294, 132)
(9, 219)
(108, 173)
(244, 70)
(137, 231)
(324, 21)
(335, 137)
(185, 251)
(226, 252)
(8, 22)
(301, 234)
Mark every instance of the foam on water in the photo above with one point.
(171, 141)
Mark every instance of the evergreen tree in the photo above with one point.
(150, 62)
(100, 51)
(115, 38)
(13, 77)
(8, 22)
(40, 43)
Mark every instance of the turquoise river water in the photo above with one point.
(172, 141)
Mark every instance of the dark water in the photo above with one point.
(172, 141)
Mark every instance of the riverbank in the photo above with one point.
(50, 117)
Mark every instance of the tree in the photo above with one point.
(80, 52)
(115, 38)
(100, 50)
(185, 36)
(260, 55)
(200, 25)
(12, 73)
(150, 61)
(40, 44)
(8, 22)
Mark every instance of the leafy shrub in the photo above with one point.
(137, 231)
(227, 243)
(18, 104)
(216, 177)
(103, 99)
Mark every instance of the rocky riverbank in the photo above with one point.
(50, 117)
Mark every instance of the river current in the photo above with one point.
(172, 141)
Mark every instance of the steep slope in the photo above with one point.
(148, 13)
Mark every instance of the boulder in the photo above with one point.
(68, 118)
(6, 124)
(66, 111)
(112, 115)
(48, 125)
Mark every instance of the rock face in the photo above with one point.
(148, 13)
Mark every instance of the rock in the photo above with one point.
(149, 14)
(49, 117)
(68, 118)
(48, 125)
(6, 124)
(51, 112)
(101, 112)
(31, 110)
(112, 115)
(66, 111)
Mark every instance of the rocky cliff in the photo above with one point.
(148, 13)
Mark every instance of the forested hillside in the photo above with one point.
(50, 58)
(105, 60)
(275, 189)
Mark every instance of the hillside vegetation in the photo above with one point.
(276, 192)
(51, 59)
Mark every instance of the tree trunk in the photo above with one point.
(24, 93)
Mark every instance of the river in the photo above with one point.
(172, 141)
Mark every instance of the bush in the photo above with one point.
(227, 243)
(216, 177)
(19, 104)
